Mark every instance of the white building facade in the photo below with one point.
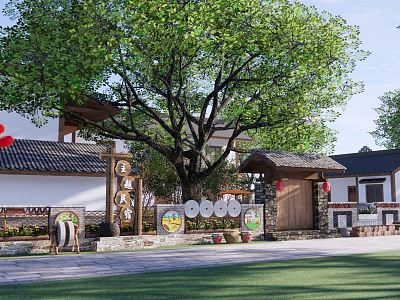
(370, 177)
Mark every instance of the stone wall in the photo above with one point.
(129, 243)
(270, 208)
(37, 247)
(320, 207)
(301, 235)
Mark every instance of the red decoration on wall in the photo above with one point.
(5, 141)
(279, 185)
(326, 187)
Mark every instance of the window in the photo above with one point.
(352, 194)
(374, 193)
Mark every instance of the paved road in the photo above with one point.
(31, 269)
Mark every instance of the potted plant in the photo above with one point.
(231, 236)
(246, 237)
(217, 238)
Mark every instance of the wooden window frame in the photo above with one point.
(356, 194)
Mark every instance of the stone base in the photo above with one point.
(301, 235)
(37, 247)
(129, 243)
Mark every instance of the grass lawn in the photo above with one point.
(369, 276)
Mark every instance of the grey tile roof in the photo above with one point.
(373, 162)
(49, 156)
(296, 160)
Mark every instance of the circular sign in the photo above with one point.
(123, 168)
(234, 208)
(122, 198)
(171, 221)
(67, 216)
(191, 208)
(126, 215)
(206, 208)
(252, 218)
(128, 183)
(220, 208)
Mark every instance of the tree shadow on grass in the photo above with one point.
(372, 276)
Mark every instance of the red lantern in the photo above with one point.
(326, 187)
(279, 185)
(5, 141)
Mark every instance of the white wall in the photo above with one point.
(339, 188)
(53, 190)
(387, 194)
(397, 184)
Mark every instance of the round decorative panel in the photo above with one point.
(171, 221)
(252, 218)
(206, 208)
(234, 208)
(67, 216)
(191, 208)
(220, 208)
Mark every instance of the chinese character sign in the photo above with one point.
(122, 199)
(128, 183)
(123, 168)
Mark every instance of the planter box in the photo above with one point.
(368, 216)
(23, 238)
(209, 230)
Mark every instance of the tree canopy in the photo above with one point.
(175, 69)
(387, 132)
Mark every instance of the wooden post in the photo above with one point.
(110, 181)
(139, 207)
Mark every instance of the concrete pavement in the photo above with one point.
(33, 269)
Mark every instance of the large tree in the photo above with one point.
(176, 68)
(387, 132)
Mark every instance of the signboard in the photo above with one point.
(252, 218)
(128, 183)
(171, 221)
(123, 168)
(122, 199)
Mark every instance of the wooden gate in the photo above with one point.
(294, 205)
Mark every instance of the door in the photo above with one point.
(294, 205)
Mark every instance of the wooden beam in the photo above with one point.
(139, 207)
(50, 173)
(119, 156)
(110, 178)
(393, 186)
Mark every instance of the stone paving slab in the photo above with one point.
(34, 269)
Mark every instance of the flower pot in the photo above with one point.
(217, 238)
(246, 237)
(231, 236)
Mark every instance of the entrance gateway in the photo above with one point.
(290, 187)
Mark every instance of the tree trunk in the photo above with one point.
(192, 191)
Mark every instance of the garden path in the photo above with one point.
(33, 269)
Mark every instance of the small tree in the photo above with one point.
(387, 132)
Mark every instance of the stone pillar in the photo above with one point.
(270, 209)
(320, 207)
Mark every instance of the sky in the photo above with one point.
(380, 72)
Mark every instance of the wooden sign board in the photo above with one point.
(123, 168)
(122, 199)
(126, 215)
(128, 183)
